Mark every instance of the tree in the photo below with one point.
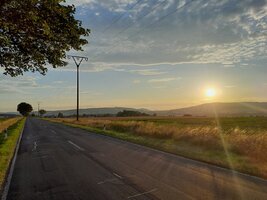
(42, 112)
(130, 113)
(60, 115)
(24, 108)
(34, 33)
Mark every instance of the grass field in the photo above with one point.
(239, 143)
(7, 122)
(7, 146)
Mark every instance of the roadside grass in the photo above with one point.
(235, 143)
(7, 148)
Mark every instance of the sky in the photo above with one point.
(156, 54)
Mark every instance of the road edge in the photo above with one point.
(8, 178)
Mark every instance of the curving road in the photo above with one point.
(59, 162)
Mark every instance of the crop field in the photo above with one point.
(239, 143)
(7, 122)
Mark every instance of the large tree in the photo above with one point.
(24, 108)
(34, 33)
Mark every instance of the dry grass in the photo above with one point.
(247, 142)
(4, 124)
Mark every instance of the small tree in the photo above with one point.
(60, 115)
(24, 108)
(42, 112)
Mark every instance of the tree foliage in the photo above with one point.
(130, 113)
(42, 112)
(34, 33)
(60, 115)
(24, 108)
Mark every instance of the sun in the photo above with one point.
(210, 92)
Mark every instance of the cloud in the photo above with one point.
(58, 82)
(136, 81)
(230, 31)
(17, 85)
(160, 80)
(148, 72)
(230, 86)
(112, 5)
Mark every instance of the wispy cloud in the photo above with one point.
(136, 81)
(17, 85)
(230, 86)
(194, 34)
(160, 80)
(148, 72)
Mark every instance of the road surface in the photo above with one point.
(59, 162)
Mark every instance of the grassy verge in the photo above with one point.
(7, 148)
(235, 148)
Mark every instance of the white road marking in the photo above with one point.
(107, 180)
(110, 180)
(117, 175)
(34, 146)
(140, 194)
(80, 148)
(53, 131)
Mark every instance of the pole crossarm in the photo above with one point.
(77, 59)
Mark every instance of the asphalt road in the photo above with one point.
(59, 162)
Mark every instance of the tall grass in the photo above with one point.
(4, 124)
(247, 142)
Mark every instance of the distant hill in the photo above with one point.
(96, 111)
(222, 109)
(9, 114)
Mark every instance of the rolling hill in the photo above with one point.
(221, 109)
(209, 109)
(96, 111)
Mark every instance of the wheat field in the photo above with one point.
(5, 123)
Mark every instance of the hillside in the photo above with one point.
(96, 111)
(222, 109)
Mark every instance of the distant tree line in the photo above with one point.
(131, 113)
(124, 113)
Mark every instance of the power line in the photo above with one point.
(151, 24)
(138, 19)
(141, 18)
(121, 16)
(162, 18)
(115, 20)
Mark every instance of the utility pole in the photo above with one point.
(38, 109)
(77, 60)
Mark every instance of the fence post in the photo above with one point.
(5, 133)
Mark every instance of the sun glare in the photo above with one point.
(210, 92)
